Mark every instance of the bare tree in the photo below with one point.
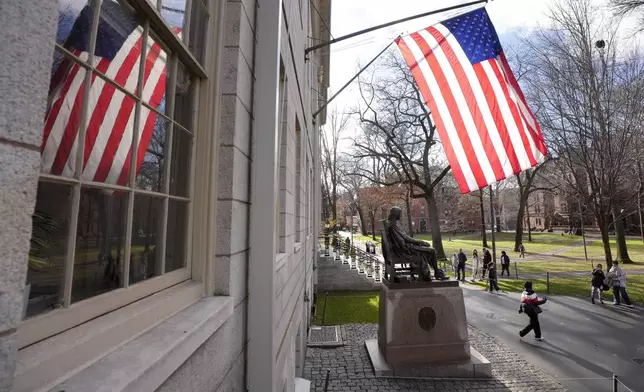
(331, 138)
(625, 7)
(588, 92)
(398, 134)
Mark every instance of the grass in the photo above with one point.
(595, 250)
(347, 308)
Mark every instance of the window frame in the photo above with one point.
(49, 324)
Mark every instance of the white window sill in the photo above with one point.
(137, 362)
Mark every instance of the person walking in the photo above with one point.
(492, 278)
(597, 284)
(521, 251)
(487, 260)
(505, 263)
(455, 263)
(617, 277)
(530, 303)
(476, 265)
(462, 259)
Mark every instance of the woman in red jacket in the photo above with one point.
(530, 305)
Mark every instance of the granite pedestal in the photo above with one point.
(423, 333)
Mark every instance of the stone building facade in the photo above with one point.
(159, 226)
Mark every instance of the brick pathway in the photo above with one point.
(351, 368)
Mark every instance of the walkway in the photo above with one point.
(350, 368)
(585, 344)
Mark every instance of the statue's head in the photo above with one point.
(395, 213)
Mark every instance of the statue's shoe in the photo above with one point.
(440, 275)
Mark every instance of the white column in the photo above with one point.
(264, 198)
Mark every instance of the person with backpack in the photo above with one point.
(462, 259)
(521, 251)
(597, 284)
(492, 278)
(530, 305)
(505, 263)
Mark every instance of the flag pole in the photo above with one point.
(353, 78)
(381, 26)
(493, 221)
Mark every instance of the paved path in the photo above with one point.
(585, 344)
(351, 370)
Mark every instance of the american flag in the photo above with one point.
(110, 119)
(481, 115)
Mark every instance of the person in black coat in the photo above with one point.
(505, 263)
(462, 258)
(597, 284)
(487, 260)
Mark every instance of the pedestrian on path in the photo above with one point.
(530, 303)
(487, 260)
(597, 284)
(617, 277)
(492, 278)
(462, 259)
(476, 266)
(455, 263)
(521, 251)
(505, 263)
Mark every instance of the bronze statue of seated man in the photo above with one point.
(420, 254)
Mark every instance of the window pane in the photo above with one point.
(157, 72)
(173, 12)
(46, 266)
(152, 152)
(108, 135)
(100, 243)
(75, 19)
(146, 234)
(175, 248)
(198, 29)
(184, 98)
(62, 119)
(181, 160)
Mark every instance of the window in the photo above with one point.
(114, 201)
(282, 122)
(298, 181)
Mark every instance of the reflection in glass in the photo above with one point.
(108, 137)
(63, 116)
(184, 98)
(173, 12)
(100, 243)
(181, 160)
(146, 232)
(151, 155)
(198, 28)
(175, 247)
(74, 24)
(46, 267)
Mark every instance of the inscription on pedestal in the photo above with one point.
(427, 318)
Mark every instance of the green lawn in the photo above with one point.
(595, 250)
(347, 308)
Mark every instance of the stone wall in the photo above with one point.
(29, 29)
(335, 276)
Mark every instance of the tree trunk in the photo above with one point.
(518, 234)
(334, 204)
(410, 226)
(603, 228)
(620, 237)
(434, 224)
(529, 224)
(372, 216)
(363, 222)
(482, 209)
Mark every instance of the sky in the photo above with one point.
(347, 16)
